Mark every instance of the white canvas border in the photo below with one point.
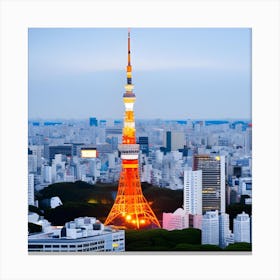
(261, 16)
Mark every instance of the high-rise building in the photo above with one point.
(32, 163)
(93, 121)
(58, 169)
(210, 228)
(143, 142)
(65, 150)
(193, 192)
(47, 174)
(46, 148)
(30, 189)
(224, 231)
(131, 209)
(241, 228)
(38, 152)
(248, 139)
(213, 181)
(174, 140)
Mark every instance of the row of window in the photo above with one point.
(34, 246)
(56, 248)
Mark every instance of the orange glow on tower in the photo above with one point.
(131, 209)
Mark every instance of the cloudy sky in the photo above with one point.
(178, 73)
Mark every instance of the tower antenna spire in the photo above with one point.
(129, 67)
(130, 209)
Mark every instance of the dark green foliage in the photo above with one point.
(37, 195)
(82, 199)
(186, 247)
(35, 209)
(208, 247)
(176, 240)
(191, 247)
(160, 239)
(71, 210)
(79, 192)
(163, 199)
(243, 198)
(32, 228)
(241, 246)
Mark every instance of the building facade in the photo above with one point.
(81, 235)
(210, 228)
(193, 192)
(213, 181)
(174, 140)
(225, 234)
(242, 228)
(31, 189)
(177, 220)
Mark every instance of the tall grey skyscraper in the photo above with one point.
(213, 181)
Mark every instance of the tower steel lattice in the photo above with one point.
(130, 209)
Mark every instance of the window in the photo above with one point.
(35, 246)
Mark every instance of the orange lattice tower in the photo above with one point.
(131, 209)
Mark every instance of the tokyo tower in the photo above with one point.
(130, 209)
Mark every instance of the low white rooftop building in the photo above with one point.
(81, 235)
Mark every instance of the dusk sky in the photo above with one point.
(178, 73)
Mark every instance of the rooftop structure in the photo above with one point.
(84, 234)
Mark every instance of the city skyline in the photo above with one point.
(179, 73)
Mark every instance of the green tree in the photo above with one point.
(35, 209)
(33, 228)
(239, 246)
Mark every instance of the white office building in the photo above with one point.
(210, 228)
(193, 192)
(31, 189)
(241, 228)
(225, 234)
(47, 174)
(58, 169)
(81, 235)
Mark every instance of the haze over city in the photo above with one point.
(178, 73)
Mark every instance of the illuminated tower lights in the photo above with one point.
(131, 209)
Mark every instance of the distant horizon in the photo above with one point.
(178, 73)
(140, 119)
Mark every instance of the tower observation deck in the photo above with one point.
(130, 209)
